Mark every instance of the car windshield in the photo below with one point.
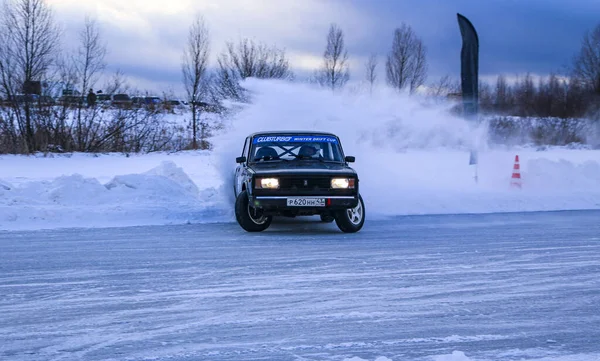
(295, 147)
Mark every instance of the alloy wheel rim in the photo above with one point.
(260, 220)
(355, 214)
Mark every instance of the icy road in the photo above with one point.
(486, 287)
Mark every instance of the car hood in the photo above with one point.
(301, 167)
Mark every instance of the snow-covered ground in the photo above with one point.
(411, 158)
(494, 287)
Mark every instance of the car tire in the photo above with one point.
(245, 215)
(327, 218)
(351, 220)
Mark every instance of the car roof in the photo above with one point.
(292, 132)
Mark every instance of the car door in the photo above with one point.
(240, 170)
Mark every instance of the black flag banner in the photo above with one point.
(469, 68)
(469, 77)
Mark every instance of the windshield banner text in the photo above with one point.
(295, 139)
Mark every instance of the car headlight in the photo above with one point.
(267, 183)
(342, 183)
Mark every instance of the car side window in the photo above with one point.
(246, 147)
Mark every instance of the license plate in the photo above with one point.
(306, 202)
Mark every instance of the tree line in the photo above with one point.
(31, 52)
(551, 96)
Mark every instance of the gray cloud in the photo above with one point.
(537, 36)
(515, 36)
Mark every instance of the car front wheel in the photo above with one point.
(249, 218)
(352, 219)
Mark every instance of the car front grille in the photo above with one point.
(305, 183)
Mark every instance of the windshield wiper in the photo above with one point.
(303, 157)
(269, 159)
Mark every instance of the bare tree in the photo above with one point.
(225, 83)
(399, 65)
(89, 63)
(575, 98)
(485, 95)
(194, 65)
(406, 64)
(502, 95)
(250, 59)
(90, 55)
(525, 92)
(443, 87)
(371, 71)
(30, 39)
(246, 59)
(335, 71)
(67, 76)
(29, 42)
(586, 67)
(551, 97)
(420, 66)
(117, 83)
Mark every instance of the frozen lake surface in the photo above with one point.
(519, 286)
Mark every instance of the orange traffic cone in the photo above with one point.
(515, 181)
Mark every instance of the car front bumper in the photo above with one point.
(279, 203)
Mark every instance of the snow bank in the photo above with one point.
(424, 182)
(162, 195)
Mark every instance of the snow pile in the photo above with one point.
(162, 184)
(425, 182)
(164, 194)
(564, 175)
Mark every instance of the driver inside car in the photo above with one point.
(266, 153)
(308, 151)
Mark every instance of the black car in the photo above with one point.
(296, 174)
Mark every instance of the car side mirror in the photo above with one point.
(350, 159)
(240, 159)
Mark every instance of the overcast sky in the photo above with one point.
(146, 38)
